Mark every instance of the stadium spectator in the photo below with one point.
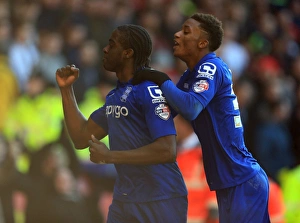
(203, 207)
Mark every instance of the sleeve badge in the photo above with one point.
(200, 86)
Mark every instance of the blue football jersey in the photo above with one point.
(134, 116)
(227, 161)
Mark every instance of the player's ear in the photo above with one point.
(128, 53)
(203, 44)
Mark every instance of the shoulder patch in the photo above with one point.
(200, 86)
(156, 94)
(207, 70)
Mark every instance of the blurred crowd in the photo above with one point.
(37, 161)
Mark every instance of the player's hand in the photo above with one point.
(98, 151)
(67, 75)
(151, 75)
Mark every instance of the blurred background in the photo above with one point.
(44, 179)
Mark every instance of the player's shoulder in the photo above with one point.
(210, 67)
(144, 86)
(206, 69)
(111, 92)
(148, 89)
(145, 83)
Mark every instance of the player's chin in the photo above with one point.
(107, 67)
(176, 54)
(176, 51)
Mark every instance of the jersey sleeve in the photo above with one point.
(157, 112)
(181, 100)
(99, 117)
(203, 83)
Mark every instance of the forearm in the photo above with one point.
(75, 121)
(154, 153)
(182, 102)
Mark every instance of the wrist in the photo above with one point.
(108, 157)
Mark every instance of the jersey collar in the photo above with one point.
(123, 84)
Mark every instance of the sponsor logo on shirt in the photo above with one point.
(200, 86)
(156, 94)
(163, 111)
(125, 94)
(116, 111)
(207, 70)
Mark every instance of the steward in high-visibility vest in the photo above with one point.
(9, 90)
(34, 121)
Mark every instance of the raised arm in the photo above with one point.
(79, 128)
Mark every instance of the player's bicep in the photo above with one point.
(94, 129)
(168, 146)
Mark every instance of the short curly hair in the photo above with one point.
(213, 27)
(137, 38)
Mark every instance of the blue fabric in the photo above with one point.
(135, 116)
(166, 211)
(180, 101)
(227, 161)
(247, 202)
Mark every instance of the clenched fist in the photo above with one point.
(67, 75)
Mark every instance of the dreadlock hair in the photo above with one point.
(213, 27)
(137, 38)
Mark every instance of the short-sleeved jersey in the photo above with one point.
(134, 116)
(227, 161)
